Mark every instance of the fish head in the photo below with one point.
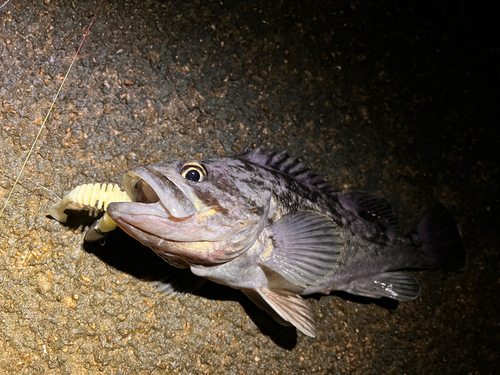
(195, 212)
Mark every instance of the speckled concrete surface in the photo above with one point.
(378, 97)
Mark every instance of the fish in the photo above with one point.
(264, 223)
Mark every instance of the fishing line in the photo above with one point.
(1, 6)
(49, 111)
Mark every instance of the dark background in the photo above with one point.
(384, 97)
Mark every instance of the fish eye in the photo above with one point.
(193, 172)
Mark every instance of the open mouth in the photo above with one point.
(142, 192)
(162, 217)
(159, 209)
(144, 198)
(152, 188)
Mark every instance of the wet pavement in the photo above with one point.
(380, 98)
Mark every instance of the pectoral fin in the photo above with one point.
(305, 249)
(395, 285)
(285, 307)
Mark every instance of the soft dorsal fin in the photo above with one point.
(284, 307)
(282, 162)
(306, 246)
(371, 208)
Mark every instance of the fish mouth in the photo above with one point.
(159, 210)
(169, 218)
(163, 217)
(149, 185)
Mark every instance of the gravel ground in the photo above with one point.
(376, 96)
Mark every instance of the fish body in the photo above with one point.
(264, 223)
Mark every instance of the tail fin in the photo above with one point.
(439, 240)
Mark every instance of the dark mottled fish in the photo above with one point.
(264, 223)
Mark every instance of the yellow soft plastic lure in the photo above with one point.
(97, 195)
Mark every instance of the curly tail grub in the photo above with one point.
(91, 195)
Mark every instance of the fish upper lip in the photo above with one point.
(151, 189)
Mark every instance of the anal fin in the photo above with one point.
(395, 285)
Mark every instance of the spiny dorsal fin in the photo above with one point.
(282, 162)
